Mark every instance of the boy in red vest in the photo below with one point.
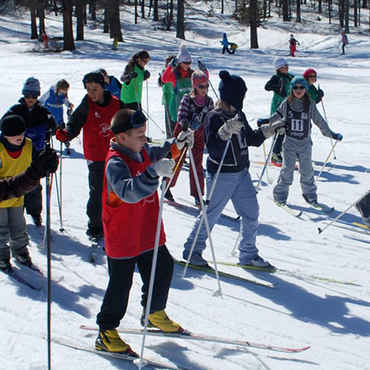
(93, 115)
(130, 216)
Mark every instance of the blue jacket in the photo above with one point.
(237, 156)
(54, 104)
(114, 87)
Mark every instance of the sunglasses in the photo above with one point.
(203, 86)
(31, 96)
(298, 87)
(187, 63)
(312, 76)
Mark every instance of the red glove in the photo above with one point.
(62, 135)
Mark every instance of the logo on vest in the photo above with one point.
(105, 130)
(97, 115)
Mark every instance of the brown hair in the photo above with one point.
(62, 84)
(306, 99)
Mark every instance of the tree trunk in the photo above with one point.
(143, 9)
(346, 16)
(68, 26)
(114, 21)
(136, 14)
(80, 20)
(155, 11)
(180, 28)
(285, 10)
(299, 19)
(253, 14)
(341, 13)
(33, 23)
(41, 15)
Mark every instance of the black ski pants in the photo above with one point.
(121, 273)
(33, 201)
(94, 204)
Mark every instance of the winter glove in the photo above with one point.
(160, 82)
(273, 128)
(338, 136)
(232, 126)
(62, 135)
(185, 137)
(174, 63)
(202, 66)
(46, 162)
(146, 74)
(132, 75)
(320, 95)
(163, 168)
(281, 88)
(262, 121)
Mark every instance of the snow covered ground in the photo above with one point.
(301, 310)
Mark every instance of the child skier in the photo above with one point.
(293, 45)
(316, 94)
(40, 125)
(297, 111)
(15, 158)
(192, 113)
(225, 44)
(130, 216)
(93, 115)
(133, 77)
(228, 122)
(279, 83)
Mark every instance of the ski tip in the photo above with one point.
(320, 230)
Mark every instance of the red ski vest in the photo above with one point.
(96, 130)
(130, 228)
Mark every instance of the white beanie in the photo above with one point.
(183, 55)
(280, 62)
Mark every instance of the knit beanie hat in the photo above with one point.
(198, 78)
(280, 62)
(183, 55)
(126, 119)
(12, 125)
(31, 87)
(94, 77)
(299, 80)
(232, 89)
(308, 72)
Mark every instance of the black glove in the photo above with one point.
(146, 74)
(202, 66)
(262, 121)
(174, 63)
(336, 136)
(160, 82)
(320, 95)
(46, 162)
(132, 75)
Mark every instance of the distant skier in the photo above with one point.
(344, 41)
(233, 47)
(293, 45)
(225, 44)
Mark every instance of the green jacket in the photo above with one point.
(274, 84)
(131, 93)
(183, 86)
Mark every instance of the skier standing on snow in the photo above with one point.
(93, 115)
(279, 83)
(293, 45)
(344, 40)
(225, 44)
(15, 158)
(316, 94)
(54, 100)
(130, 218)
(133, 77)
(297, 111)
(228, 122)
(192, 113)
(40, 125)
(111, 83)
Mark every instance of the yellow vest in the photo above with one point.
(10, 167)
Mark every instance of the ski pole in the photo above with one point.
(152, 274)
(267, 162)
(326, 119)
(326, 161)
(344, 212)
(196, 177)
(147, 101)
(270, 180)
(61, 228)
(208, 200)
(57, 189)
(209, 81)
(175, 169)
